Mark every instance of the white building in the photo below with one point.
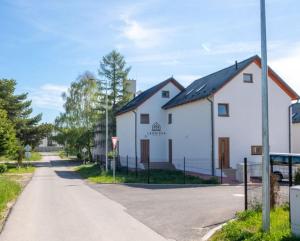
(214, 122)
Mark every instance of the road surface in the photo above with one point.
(58, 206)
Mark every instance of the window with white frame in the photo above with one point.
(223, 110)
(144, 119)
(165, 94)
(248, 78)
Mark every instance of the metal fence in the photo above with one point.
(283, 170)
(179, 171)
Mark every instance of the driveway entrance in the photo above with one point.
(177, 212)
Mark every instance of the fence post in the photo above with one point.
(184, 180)
(290, 184)
(127, 164)
(290, 172)
(246, 182)
(148, 170)
(136, 167)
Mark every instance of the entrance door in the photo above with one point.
(170, 151)
(224, 152)
(145, 150)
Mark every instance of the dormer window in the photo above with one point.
(248, 78)
(165, 94)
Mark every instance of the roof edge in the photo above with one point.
(163, 84)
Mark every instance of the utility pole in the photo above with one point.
(265, 122)
(106, 127)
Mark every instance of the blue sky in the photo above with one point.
(45, 45)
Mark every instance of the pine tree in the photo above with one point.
(113, 70)
(19, 112)
(8, 140)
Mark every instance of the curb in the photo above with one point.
(211, 232)
(12, 205)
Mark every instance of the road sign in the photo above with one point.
(84, 150)
(27, 148)
(114, 140)
(27, 155)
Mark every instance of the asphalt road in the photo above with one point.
(58, 206)
(177, 212)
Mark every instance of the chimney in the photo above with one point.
(236, 65)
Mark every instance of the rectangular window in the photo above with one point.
(256, 150)
(145, 119)
(170, 119)
(165, 94)
(223, 110)
(248, 78)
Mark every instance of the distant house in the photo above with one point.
(98, 149)
(47, 144)
(295, 131)
(214, 122)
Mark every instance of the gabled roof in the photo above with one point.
(296, 113)
(145, 95)
(210, 84)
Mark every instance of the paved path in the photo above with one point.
(57, 206)
(183, 213)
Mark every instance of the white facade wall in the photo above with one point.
(296, 138)
(126, 136)
(126, 127)
(243, 126)
(190, 132)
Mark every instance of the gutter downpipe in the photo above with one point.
(212, 136)
(135, 133)
(290, 126)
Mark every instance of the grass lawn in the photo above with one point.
(20, 170)
(94, 174)
(11, 184)
(35, 156)
(9, 190)
(247, 226)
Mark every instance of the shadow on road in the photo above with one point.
(68, 174)
(65, 163)
(167, 186)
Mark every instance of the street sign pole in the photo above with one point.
(106, 127)
(114, 140)
(265, 123)
(27, 153)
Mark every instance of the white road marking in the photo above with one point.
(238, 195)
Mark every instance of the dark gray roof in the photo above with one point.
(296, 113)
(141, 98)
(204, 87)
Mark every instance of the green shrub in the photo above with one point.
(3, 168)
(62, 154)
(297, 177)
(79, 156)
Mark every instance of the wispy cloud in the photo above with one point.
(187, 79)
(287, 66)
(48, 96)
(142, 36)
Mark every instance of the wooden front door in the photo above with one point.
(170, 151)
(145, 150)
(224, 153)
